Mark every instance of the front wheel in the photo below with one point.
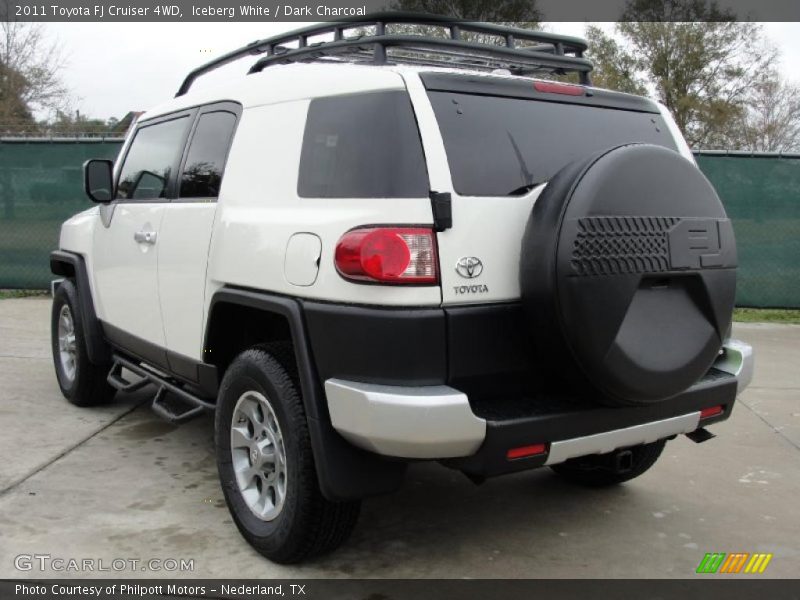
(601, 470)
(266, 464)
(82, 382)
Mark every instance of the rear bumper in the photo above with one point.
(438, 422)
(738, 360)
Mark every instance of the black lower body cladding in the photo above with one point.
(419, 346)
(628, 273)
(380, 345)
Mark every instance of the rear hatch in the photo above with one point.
(505, 138)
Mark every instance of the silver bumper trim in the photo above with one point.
(408, 422)
(608, 441)
(737, 359)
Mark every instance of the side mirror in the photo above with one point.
(98, 180)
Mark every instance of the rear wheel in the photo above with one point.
(601, 470)
(82, 382)
(266, 465)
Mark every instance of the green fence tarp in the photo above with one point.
(761, 195)
(41, 185)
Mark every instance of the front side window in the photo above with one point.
(362, 146)
(205, 162)
(150, 160)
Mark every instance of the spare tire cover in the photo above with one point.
(628, 269)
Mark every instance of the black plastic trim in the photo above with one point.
(390, 346)
(487, 341)
(199, 375)
(96, 347)
(132, 345)
(487, 85)
(86, 187)
(490, 460)
(442, 208)
(344, 471)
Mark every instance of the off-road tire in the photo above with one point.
(308, 524)
(599, 470)
(89, 386)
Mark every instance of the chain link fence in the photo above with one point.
(41, 185)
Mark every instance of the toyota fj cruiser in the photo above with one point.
(382, 247)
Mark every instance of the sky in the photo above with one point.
(114, 68)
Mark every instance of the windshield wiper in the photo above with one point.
(523, 169)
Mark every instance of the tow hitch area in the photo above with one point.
(623, 461)
(700, 435)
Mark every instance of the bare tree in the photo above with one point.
(30, 67)
(772, 120)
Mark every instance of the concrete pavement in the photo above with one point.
(117, 483)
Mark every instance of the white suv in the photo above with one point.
(384, 247)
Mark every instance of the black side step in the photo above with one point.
(177, 407)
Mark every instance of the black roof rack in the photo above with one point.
(521, 51)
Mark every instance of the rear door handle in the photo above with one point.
(145, 237)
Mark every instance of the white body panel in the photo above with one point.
(184, 239)
(488, 228)
(77, 231)
(125, 272)
(258, 216)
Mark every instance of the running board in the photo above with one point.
(176, 407)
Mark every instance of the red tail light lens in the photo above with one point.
(551, 87)
(388, 255)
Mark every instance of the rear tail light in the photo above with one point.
(388, 255)
(526, 451)
(711, 411)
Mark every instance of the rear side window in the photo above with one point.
(499, 146)
(205, 162)
(362, 146)
(150, 160)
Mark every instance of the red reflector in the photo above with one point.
(526, 451)
(711, 411)
(551, 87)
(388, 255)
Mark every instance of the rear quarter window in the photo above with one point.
(362, 146)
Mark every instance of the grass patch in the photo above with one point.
(766, 315)
(6, 294)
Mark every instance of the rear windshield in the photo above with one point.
(362, 146)
(499, 146)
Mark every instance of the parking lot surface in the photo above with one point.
(116, 482)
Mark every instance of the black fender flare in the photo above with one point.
(344, 471)
(69, 264)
